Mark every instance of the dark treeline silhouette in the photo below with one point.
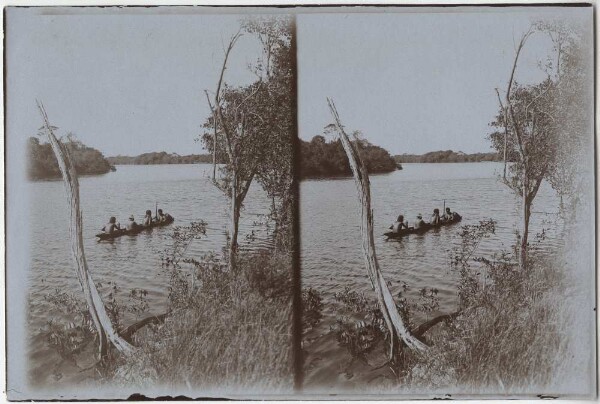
(42, 163)
(320, 158)
(161, 158)
(447, 156)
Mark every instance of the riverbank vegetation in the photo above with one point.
(321, 159)
(160, 158)
(447, 156)
(42, 163)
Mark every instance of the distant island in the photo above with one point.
(161, 158)
(447, 156)
(321, 159)
(42, 163)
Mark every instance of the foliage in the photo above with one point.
(534, 108)
(254, 127)
(42, 163)
(320, 158)
(361, 337)
(352, 300)
(312, 308)
(70, 338)
(462, 259)
(542, 126)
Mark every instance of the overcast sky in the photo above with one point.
(130, 81)
(416, 81)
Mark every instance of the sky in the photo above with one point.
(418, 80)
(123, 81)
(131, 81)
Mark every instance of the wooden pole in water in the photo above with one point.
(156, 209)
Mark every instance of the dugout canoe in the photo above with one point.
(140, 228)
(425, 229)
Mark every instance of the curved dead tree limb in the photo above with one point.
(132, 329)
(419, 331)
(106, 331)
(390, 313)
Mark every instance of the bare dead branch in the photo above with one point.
(390, 313)
(94, 301)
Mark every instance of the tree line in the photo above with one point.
(447, 156)
(319, 158)
(160, 158)
(42, 163)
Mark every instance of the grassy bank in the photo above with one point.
(512, 340)
(232, 333)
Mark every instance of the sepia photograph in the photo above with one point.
(447, 202)
(150, 202)
(303, 202)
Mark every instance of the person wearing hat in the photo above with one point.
(419, 223)
(111, 226)
(131, 225)
(399, 224)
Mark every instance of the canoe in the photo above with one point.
(140, 228)
(424, 229)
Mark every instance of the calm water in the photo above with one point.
(184, 191)
(331, 244)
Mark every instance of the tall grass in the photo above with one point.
(513, 341)
(233, 334)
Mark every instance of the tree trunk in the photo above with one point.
(235, 218)
(214, 177)
(525, 235)
(505, 147)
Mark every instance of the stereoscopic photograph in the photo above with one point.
(300, 203)
(151, 202)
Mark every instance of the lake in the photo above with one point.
(184, 191)
(332, 258)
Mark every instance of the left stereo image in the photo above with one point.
(150, 202)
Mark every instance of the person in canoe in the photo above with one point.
(399, 224)
(147, 219)
(111, 226)
(435, 218)
(131, 225)
(450, 216)
(419, 223)
(163, 217)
